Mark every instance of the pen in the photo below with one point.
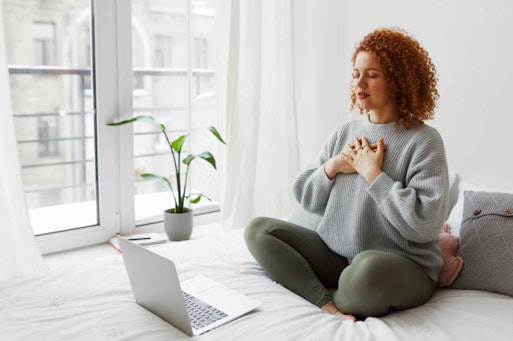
(141, 238)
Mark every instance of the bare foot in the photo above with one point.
(332, 309)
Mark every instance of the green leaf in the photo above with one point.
(214, 131)
(150, 176)
(207, 156)
(141, 118)
(177, 146)
(178, 143)
(194, 198)
(189, 159)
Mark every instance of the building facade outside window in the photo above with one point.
(57, 59)
(48, 136)
(44, 43)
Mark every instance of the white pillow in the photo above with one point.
(456, 216)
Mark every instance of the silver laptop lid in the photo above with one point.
(155, 284)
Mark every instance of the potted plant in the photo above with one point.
(178, 219)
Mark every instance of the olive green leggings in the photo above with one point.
(374, 284)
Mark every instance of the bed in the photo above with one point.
(93, 301)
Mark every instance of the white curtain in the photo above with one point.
(19, 254)
(283, 87)
(257, 95)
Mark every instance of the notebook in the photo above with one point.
(194, 306)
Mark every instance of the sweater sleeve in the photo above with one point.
(417, 208)
(312, 189)
(312, 186)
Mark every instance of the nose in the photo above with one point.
(360, 83)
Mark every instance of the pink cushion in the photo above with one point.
(453, 263)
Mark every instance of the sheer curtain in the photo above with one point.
(283, 77)
(257, 95)
(19, 254)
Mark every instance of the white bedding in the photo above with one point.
(93, 301)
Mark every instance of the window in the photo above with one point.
(163, 51)
(48, 136)
(200, 52)
(177, 91)
(69, 78)
(53, 108)
(44, 43)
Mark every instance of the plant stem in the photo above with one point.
(177, 168)
(185, 182)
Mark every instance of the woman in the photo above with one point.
(381, 187)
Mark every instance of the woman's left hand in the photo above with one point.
(365, 160)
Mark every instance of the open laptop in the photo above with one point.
(194, 306)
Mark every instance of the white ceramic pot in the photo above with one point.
(178, 226)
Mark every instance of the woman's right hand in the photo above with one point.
(337, 164)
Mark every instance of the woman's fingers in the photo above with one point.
(362, 142)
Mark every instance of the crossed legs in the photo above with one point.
(375, 283)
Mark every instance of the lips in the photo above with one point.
(362, 95)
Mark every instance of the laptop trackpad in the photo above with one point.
(223, 298)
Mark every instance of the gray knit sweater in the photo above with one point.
(401, 212)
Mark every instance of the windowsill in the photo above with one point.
(80, 238)
(203, 226)
(148, 210)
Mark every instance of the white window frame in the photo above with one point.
(113, 92)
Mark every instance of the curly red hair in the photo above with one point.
(410, 74)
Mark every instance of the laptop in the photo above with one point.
(194, 306)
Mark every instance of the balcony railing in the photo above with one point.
(84, 92)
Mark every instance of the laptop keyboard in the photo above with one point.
(200, 313)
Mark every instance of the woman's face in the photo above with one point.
(371, 89)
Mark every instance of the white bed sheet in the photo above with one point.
(93, 301)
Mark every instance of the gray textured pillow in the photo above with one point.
(486, 242)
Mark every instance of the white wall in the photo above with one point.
(469, 43)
